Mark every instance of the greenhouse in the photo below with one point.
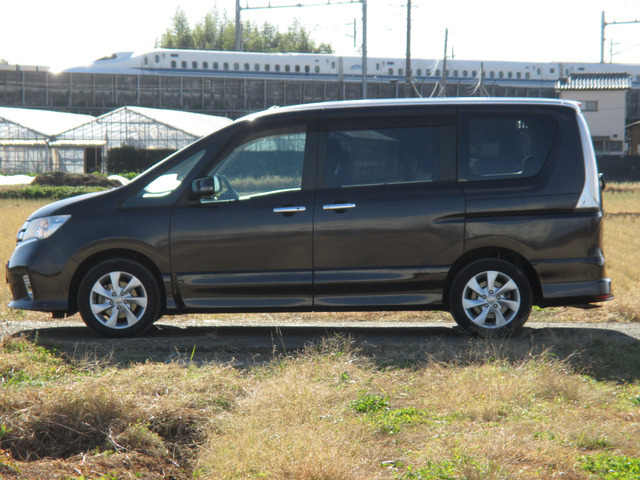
(24, 138)
(36, 141)
(86, 147)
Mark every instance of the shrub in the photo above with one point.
(130, 159)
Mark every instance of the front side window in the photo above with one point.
(268, 164)
(509, 145)
(382, 156)
(163, 189)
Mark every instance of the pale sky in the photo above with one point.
(60, 33)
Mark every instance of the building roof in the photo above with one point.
(38, 123)
(196, 124)
(595, 81)
(140, 127)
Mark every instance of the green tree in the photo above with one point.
(179, 35)
(217, 32)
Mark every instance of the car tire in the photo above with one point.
(119, 298)
(490, 297)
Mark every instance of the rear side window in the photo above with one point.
(381, 156)
(504, 145)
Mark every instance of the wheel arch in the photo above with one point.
(498, 253)
(111, 254)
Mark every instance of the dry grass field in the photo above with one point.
(491, 410)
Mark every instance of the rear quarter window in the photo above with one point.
(504, 145)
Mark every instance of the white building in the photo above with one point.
(603, 98)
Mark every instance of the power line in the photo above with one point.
(316, 3)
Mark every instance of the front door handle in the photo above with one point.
(339, 206)
(292, 209)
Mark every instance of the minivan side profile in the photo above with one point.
(483, 207)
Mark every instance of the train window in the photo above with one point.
(492, 74)
(552, 70)
(256, 67)
(527, 75)
(157, 58)
(465, 73)
(391, 71)
(277, 68)
(447, 72)
(247, 67)
(267, 67)
(146, 60)
(501, 74)
(287, 68)
(184, 64)
(173, 64)
(307, 69)
(428, 72)
(510, 74)
(194, 64)
(538, 71)
(400, 71)
(236, 66)
(519, 75)
(297, 68)
(378, 66)
(316, 69)
(455, 73)
(225, 65)
(205, 65)
(438, 73)
(419, 73)
(474, 73)
(215, 65)
(333, 65)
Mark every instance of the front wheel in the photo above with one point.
(490, 297)
(119, 298)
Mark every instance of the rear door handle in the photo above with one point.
(339, 206)
(290, 209)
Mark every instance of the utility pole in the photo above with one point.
(364, 48)
(443, 91)
(239, 33)
(603, 25)
(408, 72)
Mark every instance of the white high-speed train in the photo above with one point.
(335, 67)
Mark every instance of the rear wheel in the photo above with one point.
(490, 297)
(119, 298)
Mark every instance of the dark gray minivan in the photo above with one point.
(484, 207)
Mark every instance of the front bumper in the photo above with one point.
(49, 271)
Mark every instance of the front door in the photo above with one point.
(250, 245)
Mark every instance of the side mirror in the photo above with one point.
(603, 182)
(206, 186)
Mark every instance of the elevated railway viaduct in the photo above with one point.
(96, 94)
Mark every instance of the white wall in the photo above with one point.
(609, 120)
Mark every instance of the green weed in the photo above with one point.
(612, 467)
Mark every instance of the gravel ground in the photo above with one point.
(261, 338)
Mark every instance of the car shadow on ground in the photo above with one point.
(602, 352)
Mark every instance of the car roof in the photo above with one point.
(408, 102)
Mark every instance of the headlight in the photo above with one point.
(41, 227)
